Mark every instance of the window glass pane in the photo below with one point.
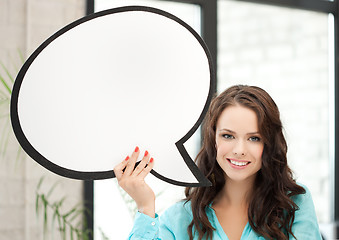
(286, 52)
(113, 209)
(189, 13)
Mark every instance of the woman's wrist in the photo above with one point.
(148, 210)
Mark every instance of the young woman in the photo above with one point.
(254, 195)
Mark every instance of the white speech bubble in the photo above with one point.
(111, 81)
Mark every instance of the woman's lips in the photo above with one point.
(238, 164)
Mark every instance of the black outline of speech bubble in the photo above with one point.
(34, 154)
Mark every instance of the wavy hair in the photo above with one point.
(271, 210)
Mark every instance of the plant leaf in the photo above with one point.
(5, 85)
(61, 201)
(37, 204)
(55, 216)
(45, 204)
(64, 230)
(59, 221)
(69, 213)
(71, 233)
(40, 182)
(7, 72)
(52, 189)
(76, 214)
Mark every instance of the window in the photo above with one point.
(286, 52)
(289, 49)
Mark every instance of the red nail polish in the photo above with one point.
(126, 158)
(136, 149)
(151, 160)
(146, 153)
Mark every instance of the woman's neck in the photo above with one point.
(236, 193)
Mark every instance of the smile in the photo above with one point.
(238, 163)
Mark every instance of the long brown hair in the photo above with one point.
(271, 211)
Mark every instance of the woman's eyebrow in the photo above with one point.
(253, 133)
(226, 130)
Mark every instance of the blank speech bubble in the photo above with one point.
(113, 80)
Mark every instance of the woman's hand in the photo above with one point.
(132, 181)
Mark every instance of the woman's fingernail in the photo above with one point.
(126, 158)
(136, 149)
(151, 160)
(146, 153)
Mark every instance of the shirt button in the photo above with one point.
(153, 223)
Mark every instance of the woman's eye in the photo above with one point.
(227, 136)
(254, 139)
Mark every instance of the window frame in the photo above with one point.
(209, 34)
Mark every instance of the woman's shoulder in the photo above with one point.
(305, 224)
(304, 198)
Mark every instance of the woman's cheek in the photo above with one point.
(224, 148)
(258, 151)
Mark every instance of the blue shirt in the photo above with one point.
(173, 223)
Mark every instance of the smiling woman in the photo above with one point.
(262, 197)
(254, 194)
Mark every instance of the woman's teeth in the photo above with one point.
(239, 163)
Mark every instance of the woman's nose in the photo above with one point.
(239, 149)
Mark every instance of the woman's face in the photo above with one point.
(238, 142)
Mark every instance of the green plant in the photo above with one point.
(70, 223)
